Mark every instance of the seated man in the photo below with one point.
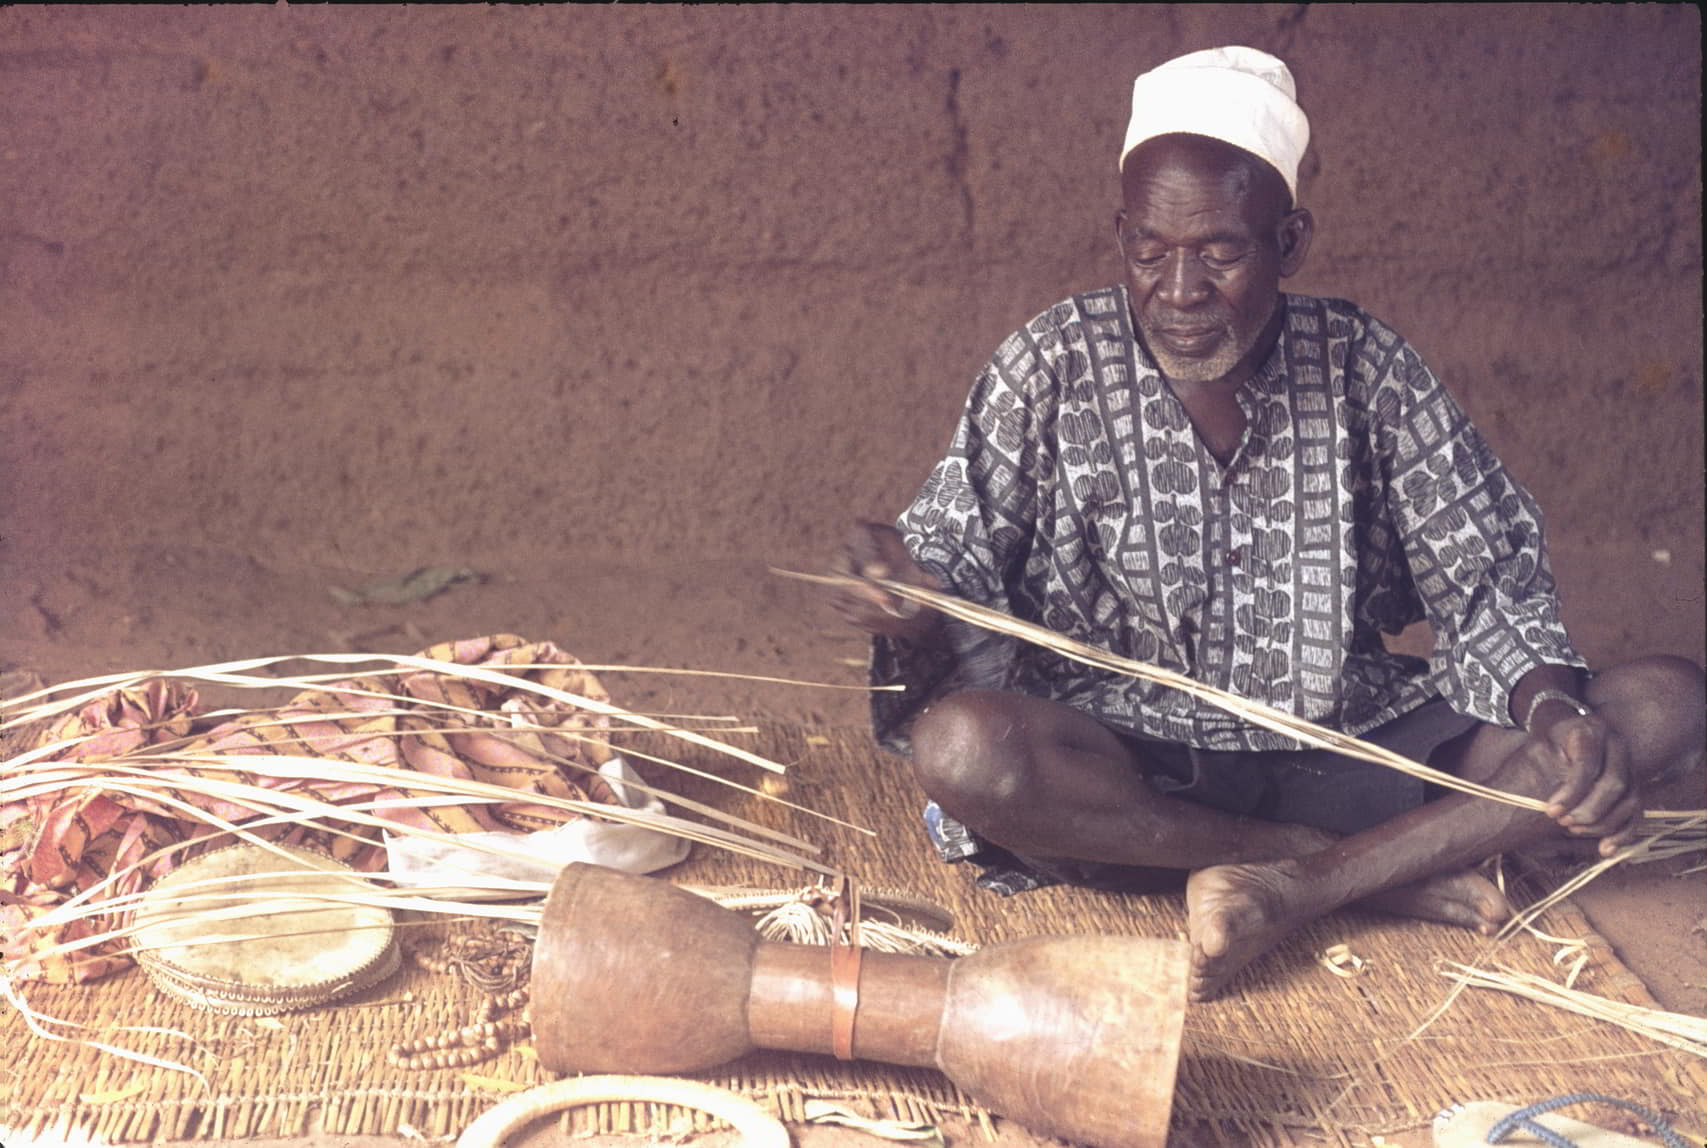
(1198, 471)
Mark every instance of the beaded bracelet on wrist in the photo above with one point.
(1553, 696)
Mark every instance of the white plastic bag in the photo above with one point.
(416, 861)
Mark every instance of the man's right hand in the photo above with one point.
(874, 550)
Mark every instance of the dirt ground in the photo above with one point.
(618, 308)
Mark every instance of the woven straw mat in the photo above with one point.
(1293, 1049)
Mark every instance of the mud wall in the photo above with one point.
(356, 290)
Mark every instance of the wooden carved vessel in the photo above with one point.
(1077, 1037)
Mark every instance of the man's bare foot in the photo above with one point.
(1236, 913)
(1468, 899)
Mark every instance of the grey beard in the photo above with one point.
(1217, 366)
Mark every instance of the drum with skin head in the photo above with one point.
(256, 930)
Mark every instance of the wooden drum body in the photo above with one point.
(1076, 1037)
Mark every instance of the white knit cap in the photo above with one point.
(1237, 95)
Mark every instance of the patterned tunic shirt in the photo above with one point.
(1077, 495)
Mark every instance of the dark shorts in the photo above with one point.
(1314, 787)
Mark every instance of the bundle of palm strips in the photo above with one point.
(122, 782)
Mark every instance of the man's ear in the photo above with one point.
(1295, 233)
(1120, 231)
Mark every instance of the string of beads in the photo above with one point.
(492, 959)
(459, 1048)
(496, 961)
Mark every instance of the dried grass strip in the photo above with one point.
(1680, 1031)
(1256, 713)
(239, 673)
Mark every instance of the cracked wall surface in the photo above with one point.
(529, 288)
